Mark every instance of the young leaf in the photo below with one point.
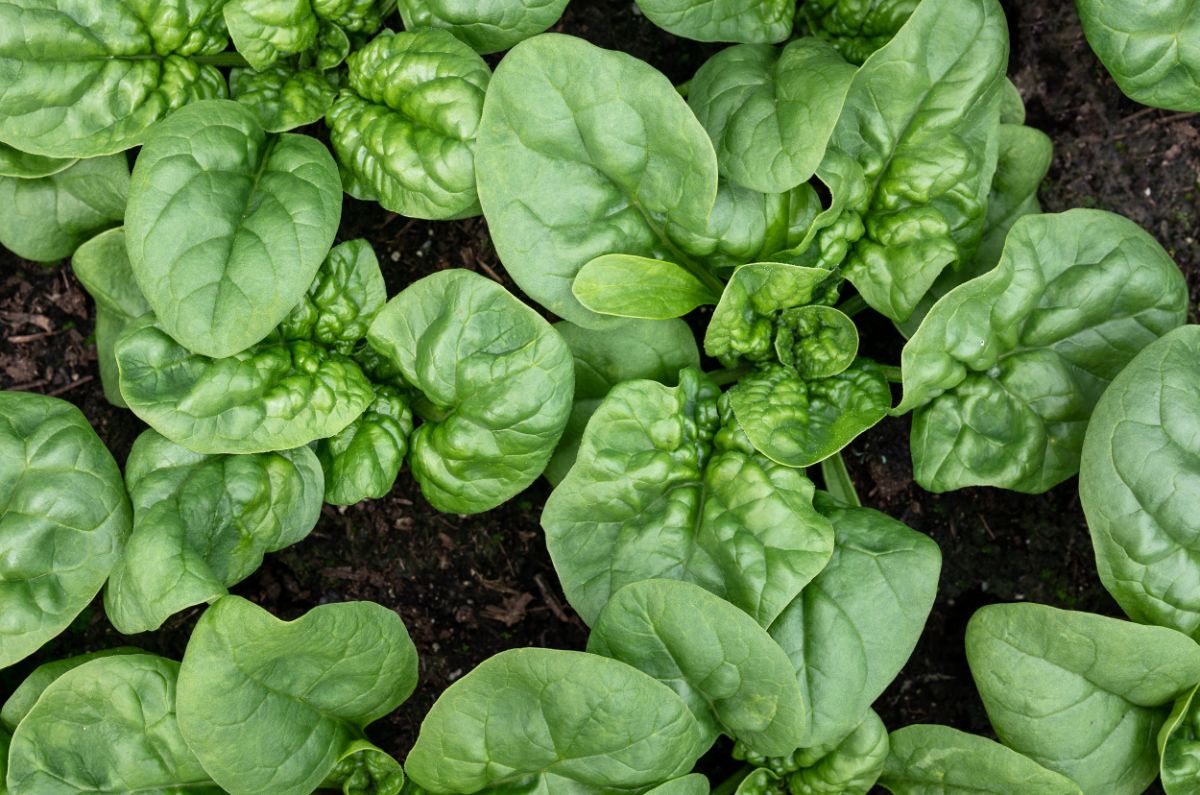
(486, 25)
(854, 27)
(364, 769)
(560, 721)
(361, 461)
(15, 163)
(639, 287)
(311, 685)
(817, 341)
(266, 30)
(226, 226)
(495, 381)
(747, 21)
(1005, 370)
(282, 98)
(851, 767)
(584, 152)
(1081, 694)
(1138, 483)
(63, 517)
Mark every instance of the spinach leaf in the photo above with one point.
(856, 28)
(584, 152)
(1137, 483)
(15, 163)
(666, 486)
(495, 384)
(938, 760)
(266, 30)
(107, 726)
(747, 21)
(1081, 694)
(404, 127)
(310, 685)
(63, 517)
(203, 523)
(31, 688)
(1178, 748)
(282, 98)
(226, 226)
(1005, 370)
(46, 218)
(556, 721)
(362, 460)
(486, 25)
(639, 287)
(364, 769)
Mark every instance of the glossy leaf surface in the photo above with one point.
(282, 98)
(747, 21)
(486, 25)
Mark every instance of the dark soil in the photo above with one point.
(469, 587)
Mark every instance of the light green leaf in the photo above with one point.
(1139, 483)
(728, 670)
(404, 129)
(770, 111)
(1005, 370)
(495, 382)
(1081, 694)
(747, 21)
(63, 517)
(856, 28)
(851, 767)
(310, 685)
(661, 490)
(364, 769)
(107, 726)
(46, 219)
(530, 715)
(283, 98)
(357, 16)
(584, 152)
(266, 30)
(30, 690)
(639, 287)
(203, 523)
(361, 462)
(486, 25)
(80, 79)
(15, 163)
(818, 341)
(1179, 748)
(938, 760)
(691, 784)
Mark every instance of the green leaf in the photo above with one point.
(361, 462)
(283, 98)
(746, 21)
(404, 129)
(495, 382)
(266, 30)
(202, 523)
(691, 784)
(770, 111)
(642, 349)
(15, 163)
(486, 25)
(851, 767)
(1149, 50)
(275, 396)
(728, 670)
(1137, 483)
(639, 287)
(357, 16)
(584, 152)
(584, 721)
(364, 769)
(310, 685)
(1179, 748)
(798, 422)
(1081, 694)
(30, 690)
(854, 27)
(852, 629)
(226, 226)
(920, 120)
(46, 219)
(938, 760)
(654, 495)
(107, 726)
(63, 517)
(82, 80)
(818, 341)
(342, 300)
(1004, 372)
(5, 742)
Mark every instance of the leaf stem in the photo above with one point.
(221, 59)
(852, 306)
(838, 482)
(728, 375)
(892, 373)
(730, 785)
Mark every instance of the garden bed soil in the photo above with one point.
(469, 587)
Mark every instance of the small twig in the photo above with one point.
(29, 385)
(63, 389)
(550, 599)
(488, 270)
(23, 338)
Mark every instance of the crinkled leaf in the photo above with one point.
(770, 111)
(728, 670)
(357, 16)
(1081, 694)
(1005, 369)
(920, 119)
(361, 462)
(226, 226)
(266, 30)
(342, 300)
(747, 21)
(15, 163)
(107, 726)
(535, 714)
(818, 341)
(495, 382)
(640, 287)
(63, 517)
(1139, 483)
(404, 129)
(852, 629)
(283, 98)
(1149, 48)
(938, 760)
(31, 688)
(851, 767)
(81, 79)
(275, 396)
(202, 523)
(311, 685)
(47, 218)
(364, 769)
(584, 152)
(652, 496)
(332, 47)
(486, 25)
(856, 28)
(797, 421)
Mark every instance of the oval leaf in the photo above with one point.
(639, 287)
(749, 21)
(282, 98)
(486, 25)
